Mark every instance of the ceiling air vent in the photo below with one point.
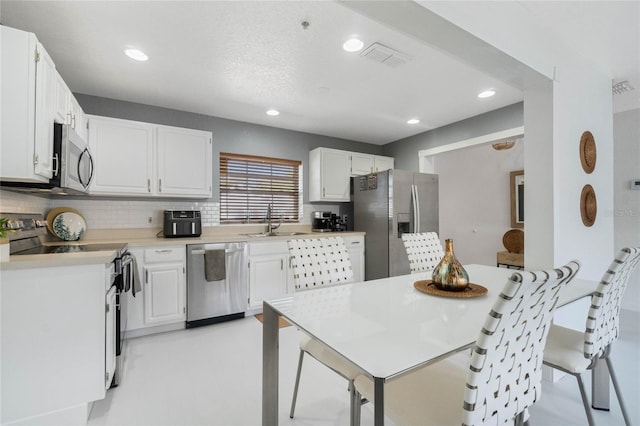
(385, 55)
(621, 87)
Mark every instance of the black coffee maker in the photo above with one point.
(321, 222)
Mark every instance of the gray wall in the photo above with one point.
(626, 222)
(405, 151)
(228, 135)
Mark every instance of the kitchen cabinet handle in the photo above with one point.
(148, 185)
(281, 264)
(323, 191)
(159, 185)
(164, 251)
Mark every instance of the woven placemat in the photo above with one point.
(472, 290)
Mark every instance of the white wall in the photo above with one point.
(626, 140)
(474, 203)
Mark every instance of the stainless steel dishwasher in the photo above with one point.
(218, 300)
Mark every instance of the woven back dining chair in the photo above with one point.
(575, 352)
(424, 251)
(502, 379)
(317, 263)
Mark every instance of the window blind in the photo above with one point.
(248, 184)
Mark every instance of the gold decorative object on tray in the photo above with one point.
(449, 275)
(588, 152)
(429, 287)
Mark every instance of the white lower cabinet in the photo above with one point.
(268, 272)
(164, 294)
(53, 342)
(162, 300)
(355, 247)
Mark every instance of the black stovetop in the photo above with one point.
(73, 248)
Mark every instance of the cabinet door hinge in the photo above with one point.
(210, 141)
(184, 310)
(36, 159)
(106, 377)
(106, 308)
(37, 56)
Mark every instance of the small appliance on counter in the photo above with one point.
(182, 223)
(321, 222)
(328, 222)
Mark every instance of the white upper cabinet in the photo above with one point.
(134, 158)
(184, 162)
(68, 110)
(28, 80)
(61, 102)
(330, 172)
(123, 152)
(77, 117)
(329, 175)
(364, 164)
(45, 111)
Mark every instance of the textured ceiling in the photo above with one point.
(236, 59)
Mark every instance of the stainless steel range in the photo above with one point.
(28, 234)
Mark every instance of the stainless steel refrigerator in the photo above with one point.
(386, 205)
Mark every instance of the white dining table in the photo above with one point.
(386, 327)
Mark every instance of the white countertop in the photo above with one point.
(146, 238)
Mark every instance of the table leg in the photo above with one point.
(600, 386)
(378, 401)
(270, 354)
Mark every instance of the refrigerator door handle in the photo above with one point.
(417, 204)
(414, 201)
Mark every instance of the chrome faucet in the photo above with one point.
(270, 226)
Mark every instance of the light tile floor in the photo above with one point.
(212, 376)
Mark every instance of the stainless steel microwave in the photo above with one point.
(73, 166)
(76, 163)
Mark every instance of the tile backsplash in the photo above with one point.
(122, 213)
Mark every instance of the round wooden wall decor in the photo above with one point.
(588, 205)
(587, 151)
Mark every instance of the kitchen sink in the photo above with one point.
(273, 234)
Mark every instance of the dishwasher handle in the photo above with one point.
(226, 251)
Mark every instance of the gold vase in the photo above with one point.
(449, 275)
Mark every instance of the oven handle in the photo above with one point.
(123, 262)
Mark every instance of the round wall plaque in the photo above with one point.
(587, 152)
(588, 205)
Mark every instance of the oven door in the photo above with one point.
(110, 336)
(77, 162)
(123, 284)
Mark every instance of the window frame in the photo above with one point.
(249, 183)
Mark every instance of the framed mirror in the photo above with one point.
(517, 198)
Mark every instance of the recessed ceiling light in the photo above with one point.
(413, 121)
(487, 93)
(273, 112)
(353, 45)
(136, 54)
